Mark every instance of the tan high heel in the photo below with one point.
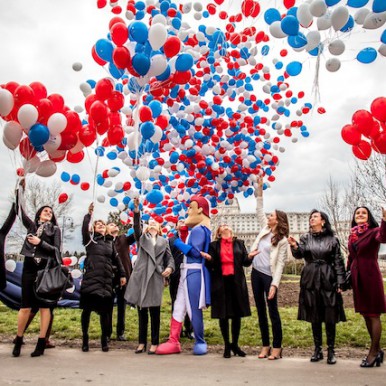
(265, 352)
(277, 353)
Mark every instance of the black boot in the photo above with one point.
(330, 332)
(227, 350)
(17, 348)
(39, 349)
(85, 347)
(317, 334)
(104, 344)
(237, 350)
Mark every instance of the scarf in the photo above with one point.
(358, 230)
(39, 233)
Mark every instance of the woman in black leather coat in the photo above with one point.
(41, 244)
(320, 298)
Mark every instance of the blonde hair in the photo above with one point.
(217, 233)
(159, 230)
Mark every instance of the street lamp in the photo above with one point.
(66, 221)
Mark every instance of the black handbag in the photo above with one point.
(52, 281)
(347, 281)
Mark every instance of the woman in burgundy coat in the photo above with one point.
(366, 277)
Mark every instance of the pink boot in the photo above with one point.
(172, 346)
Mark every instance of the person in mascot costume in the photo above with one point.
(194, 288)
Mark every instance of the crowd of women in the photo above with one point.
(108, 270)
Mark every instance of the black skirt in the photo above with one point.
(28, 297)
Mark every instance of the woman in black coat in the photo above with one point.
(41, 244)
(96, 291)
(229, 293)
(320, 298)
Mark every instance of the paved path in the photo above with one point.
(62, 366)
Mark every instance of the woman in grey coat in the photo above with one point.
(154, 263)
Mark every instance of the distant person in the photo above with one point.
(122, 246)
(42, 243)
(174, 279)
(269, 253)
(226, 260)
(96, 291)
(154, 263)
(320, 298)
(366, 278)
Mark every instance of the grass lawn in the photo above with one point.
(296, 334)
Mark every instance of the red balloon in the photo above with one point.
(58, 155)
(172, 46)
(69, 140)
(11, 87)
(98, 111)
(26, 148)
(351, 135)
(90, 99)
(182, 77)
(20, 172)
(379, 143)
(104, 88)
(115, 20)
(103, 126)
(119, 33)
(75, 158)
(57, 102)
(24, 95)
(74, 123)
(87, 135)
(246, 7)
(115, 135)
(39, 89)
(126, 185)
(162, 121)
(364, 121)
(378, 109)
(85, 186)
(96, 58)
(121, 57)
(63, 197)
(362, 150)
(145, 114)
(45, 110)
(289, 3)
(116, 101)
(66, 261)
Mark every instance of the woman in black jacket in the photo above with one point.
(96, 292)
(229, 293)
(41, 244)
(320, 298)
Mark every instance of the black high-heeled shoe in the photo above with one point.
(85, 347)
(227, 351)
(381, 355)
(376, 362)
(140, 350)
(237, 350)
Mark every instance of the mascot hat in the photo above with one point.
(202, 203)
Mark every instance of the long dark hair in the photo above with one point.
(371, 220)
(39, 212)
(327, 228)
(282, 227)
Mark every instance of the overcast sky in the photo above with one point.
(40, 41)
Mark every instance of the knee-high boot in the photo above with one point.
(317, 334)
(330, 332)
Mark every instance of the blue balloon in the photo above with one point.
(379, 6)
(138, 32)
(349, 25)
(294, 68)
(38, 134)
(65, 177)
(184, 62)
(75, 178)
(330, 3)
(113, 202)
(165, 75)
(156, 108)
(367, 55)
(155, 196)
(141, 64)
(115, 72)
(147, 130)
(111, 155)
(104, 48)
(383, 37)
(140, 5)
(271, 15)
(290, 25)
(317, 50)
(357, 3)
(297, 41)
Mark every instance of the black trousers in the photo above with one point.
(104, 319)
(261, 284)
(121, 310)
(173, 288)
(143, 321)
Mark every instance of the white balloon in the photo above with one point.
(382, 49)
(71, 289)
(123, 216)
(158, 65)
(333, 64)
(324, 22)
(32, 164)
(107, 184)
(118, 186)
(276, 31)
(313, 40)
(143, 173)
(304, 15)
(10, 265)
(27, 115)
(197, 6)
(336, 47)
(6, 102)
(46, 168)
(318, 8)
(360, 15)
(12, 134)
(339, 17)
(77, 66)
(112, 193)
(113, 172)
(85, 88)
(157, 36)
(101, 199)
(157, 134)
(159, 18)
(76, 273)
(121, 206)
(74, 260)
(374, 20)
(56, 123)
(132, 141)
(52, 144)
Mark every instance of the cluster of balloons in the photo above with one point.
(38, 125)
(323, 26)
(367, 131)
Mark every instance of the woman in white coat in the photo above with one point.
(269, 253)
